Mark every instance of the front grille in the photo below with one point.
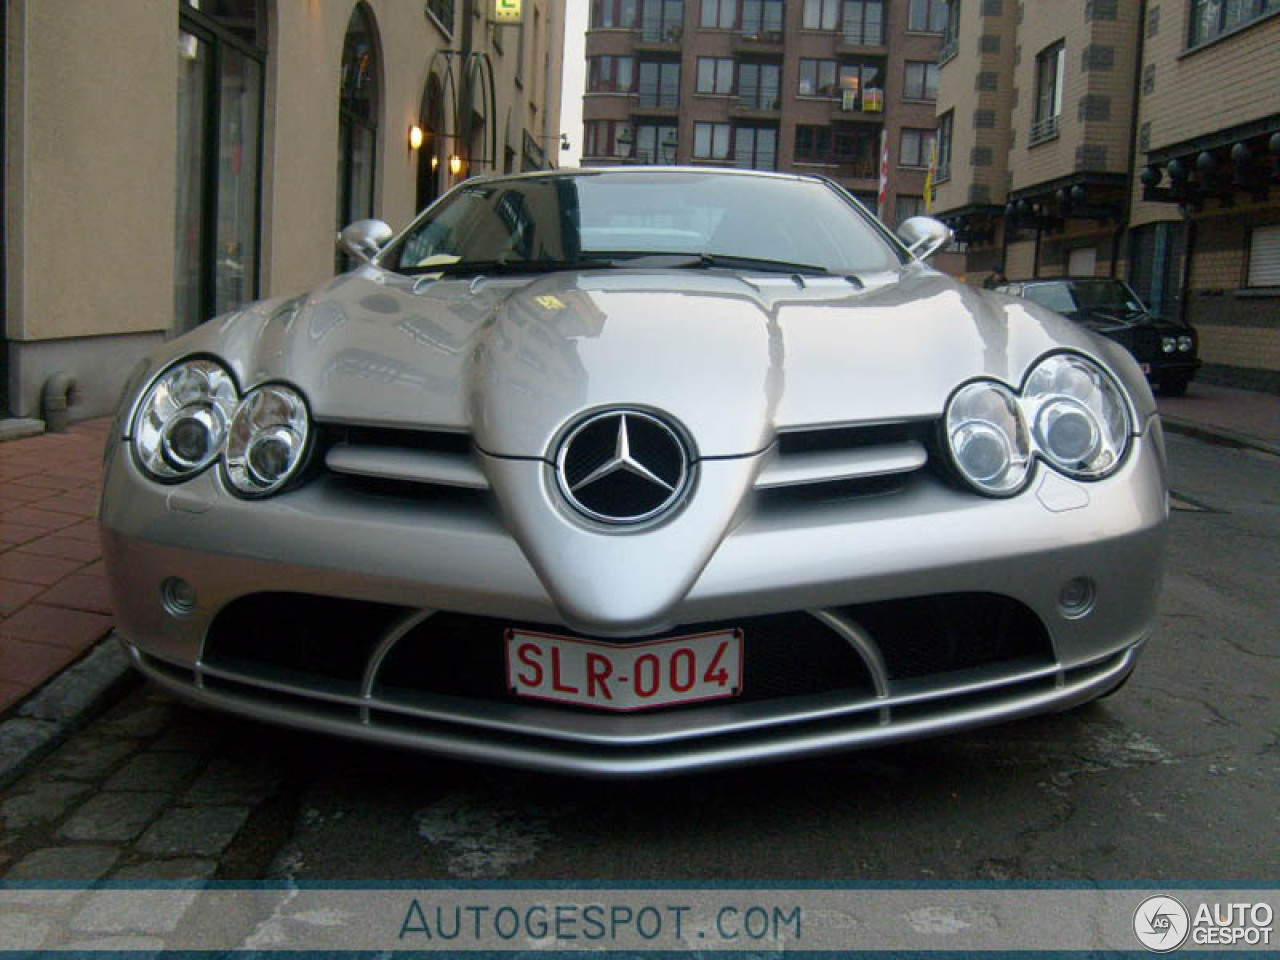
(326, 645)
(786, 655)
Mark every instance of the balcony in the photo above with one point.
(757, 105)
(656, 101)
(659, 38)
(869, 40)
(759, 41)
(948, 51)
(1043, 130)
(869, 106)
(844, 168)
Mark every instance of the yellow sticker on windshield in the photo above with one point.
(549, 302)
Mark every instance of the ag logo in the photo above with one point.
(1161, 923)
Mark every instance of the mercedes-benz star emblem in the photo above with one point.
(622, 466)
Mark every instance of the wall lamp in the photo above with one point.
(415, 137)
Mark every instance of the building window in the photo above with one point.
(611, 74)
(357, 123)
(715, 75)
(659, 84)
(662, 21)
(711, 141)
(442, 12)
(760, 86)
(755, 148)
(860, 86)
(607, 138)
(927, 16)
(945, 124)
(916, 147)
(1049, 66)
(921, 81)
(613, 14)
(818, 78)
(821, 14)
(1264, 257)
(907, 206)
(221, 60)
(863, 23)
(1213, 18)
(719, 14)
(762, 18)
(950, 32)
(656, 143)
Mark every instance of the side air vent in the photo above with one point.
(432, 458)
(851, 460)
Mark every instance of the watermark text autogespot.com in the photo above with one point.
(599, 923)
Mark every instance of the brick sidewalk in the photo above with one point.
(53, 595)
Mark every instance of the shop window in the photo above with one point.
(221, 62)
(1264, 256)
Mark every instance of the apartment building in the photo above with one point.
(1133, 139)
(794, 85)
(168, 161)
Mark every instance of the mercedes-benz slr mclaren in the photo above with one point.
(636, 471)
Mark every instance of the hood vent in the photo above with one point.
(846, 461)
(433, 458)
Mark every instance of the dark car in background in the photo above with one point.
(1167, 350)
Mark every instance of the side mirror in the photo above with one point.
(924, 236)
(364, 238)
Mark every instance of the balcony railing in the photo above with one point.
(860, 168)
(765, 36)
(863, 37)
(949, 50)
(665, 33)
(1043, 130)
(767, 98)
(654, 96)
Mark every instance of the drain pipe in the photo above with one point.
(59, 394)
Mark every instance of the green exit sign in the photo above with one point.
(507, 11)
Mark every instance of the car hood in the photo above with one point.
(732, 358)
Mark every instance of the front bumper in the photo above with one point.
(926, 539)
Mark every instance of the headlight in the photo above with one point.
(1079, 424)
(1185, 344)
(181, 422)
(267, 440)
(988, 437)
(1168, 344)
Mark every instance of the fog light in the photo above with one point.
(178, 597)
(1076, 598)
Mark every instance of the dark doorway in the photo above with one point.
(431, 117)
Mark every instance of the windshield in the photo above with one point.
(1100, 296)
(617, 219)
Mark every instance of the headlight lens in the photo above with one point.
(182, 420)
(988, 437)
(267, 440)
(1081, 418)
(1168, 344)
(1185, 344)
(1079, 423)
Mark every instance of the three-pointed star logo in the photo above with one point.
(621, 460)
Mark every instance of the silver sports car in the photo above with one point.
(637, 471)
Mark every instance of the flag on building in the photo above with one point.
(929, 178)
(883, 200)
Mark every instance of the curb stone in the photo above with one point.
(63, 705)
(1218, 435)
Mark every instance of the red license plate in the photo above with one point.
(610, 676)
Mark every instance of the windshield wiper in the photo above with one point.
(464, 268)
(727, 261)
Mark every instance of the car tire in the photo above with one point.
(1174, 386)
